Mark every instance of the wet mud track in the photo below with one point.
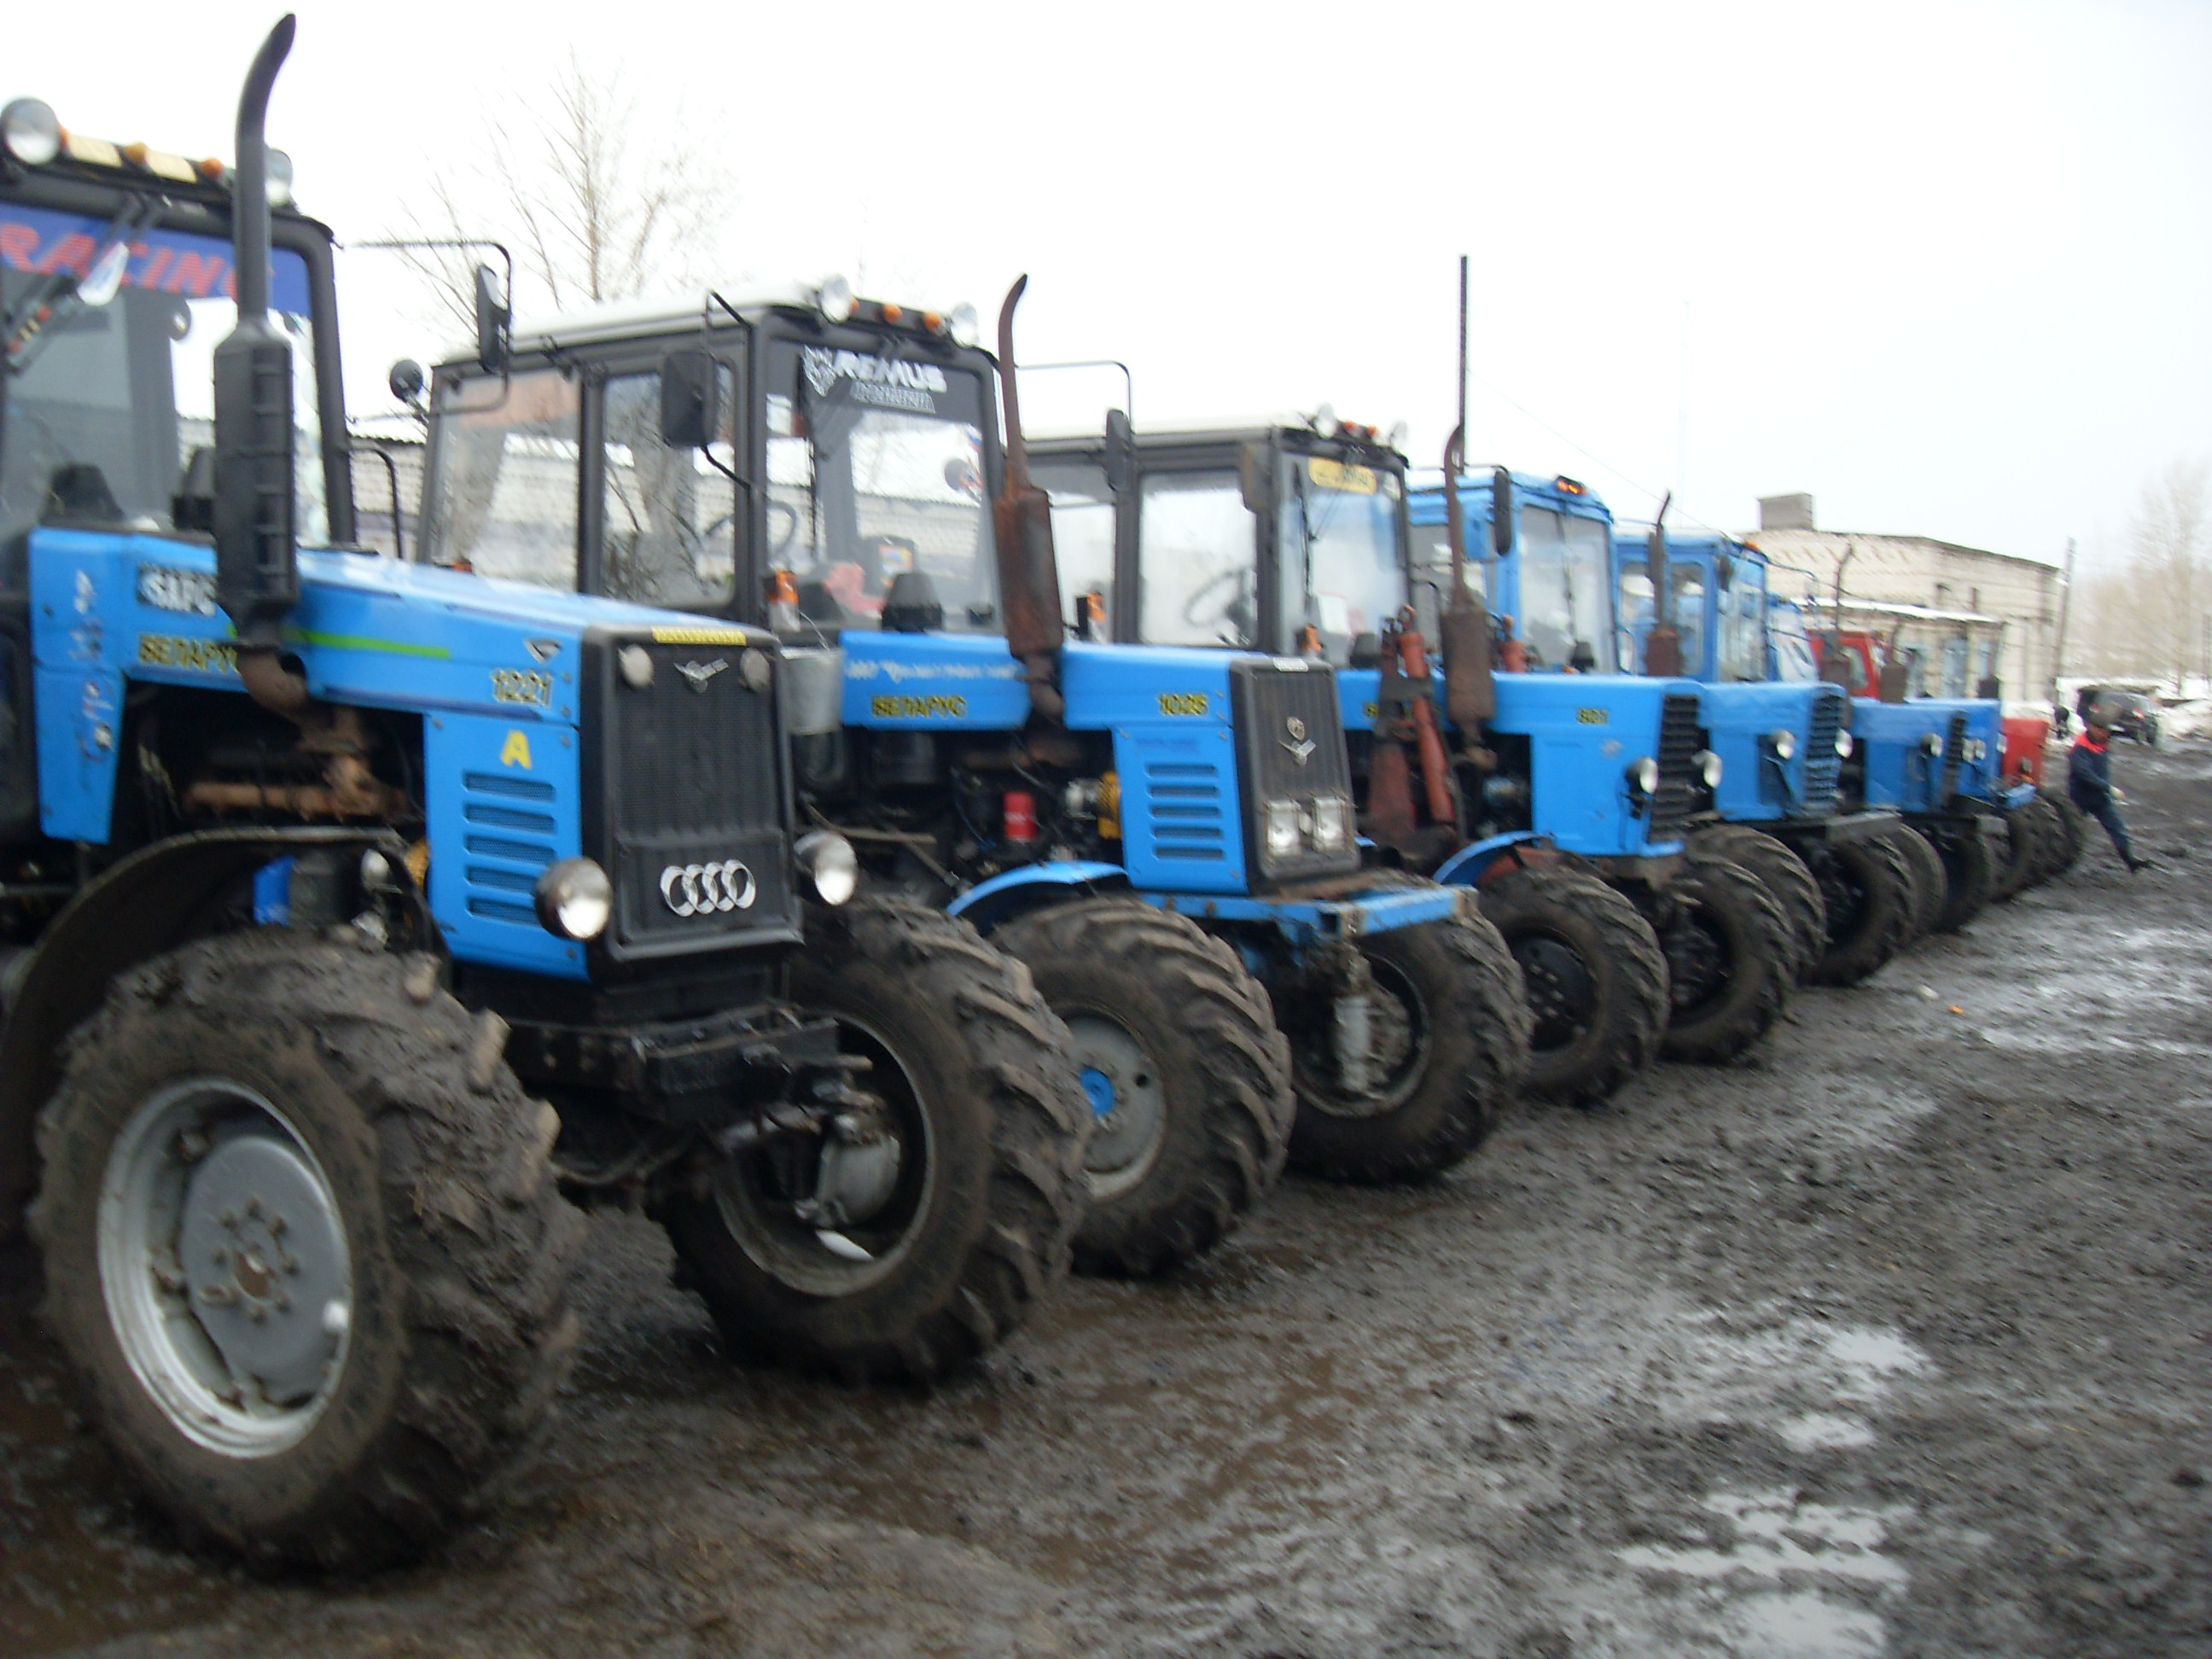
(1897, 1340)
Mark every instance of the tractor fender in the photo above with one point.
(989, 903)
(153, 901)
(1468, 866)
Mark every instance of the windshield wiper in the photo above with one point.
(62, 295)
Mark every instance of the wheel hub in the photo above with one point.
(1129, 1102)
(1561, 992)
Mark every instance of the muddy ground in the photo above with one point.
(1897, 1340)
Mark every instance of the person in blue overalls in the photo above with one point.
(2089, 781)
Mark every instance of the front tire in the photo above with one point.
(990, 1126)
(1188, 1078)
(2014, 872)
(1729, 960)
(1969, 875)
(2066, 852)
(303, 1247)
(1929, 881)
(1871, 903)
(1595, 977)
(1450, 1043)
(1803, 904)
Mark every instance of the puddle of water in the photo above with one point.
(1803, 1626)
(1820, 1431)
(1775, 1536)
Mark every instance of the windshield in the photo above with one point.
(1566, 619)
(1339, 551)
(111, 401)
(1082, 530)
(1742, 613)
(1196, 552)
(1793, 651)
(875, 467)
(506, 466)
(1688, 577)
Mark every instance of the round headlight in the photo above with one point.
(1709, 768)
(1783, 742)
(31, 131)
(964, 324)
(833, 300)
(827, 860)
(1843, 745)
(574, 899)
(1645, 774)
(634, 664)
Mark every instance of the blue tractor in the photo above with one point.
(354, 912)
(1842, 876)
(1165, 837)
(1939, 762)
(1290, 536)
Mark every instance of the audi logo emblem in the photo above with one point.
(700, 890)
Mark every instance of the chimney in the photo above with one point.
(1785, 512)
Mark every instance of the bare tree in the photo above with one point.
(598, 199)
(2171, 538)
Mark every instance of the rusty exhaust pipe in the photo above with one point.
(1029, 569)
(1662, 647)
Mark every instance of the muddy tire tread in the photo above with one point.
(1889, 918)
(1787, 878)
(1226, 1032)
(482, 1240)
(1754, 1005)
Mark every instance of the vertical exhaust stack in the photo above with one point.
(1029, 569)
(1470, 697)
(257, 559)
(1662, 647)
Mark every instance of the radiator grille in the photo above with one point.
(1680, 737)
(1821, 761)
(1954, 754)
(1189, 810)
(1290, 747)
(507, 839)
(690, 776)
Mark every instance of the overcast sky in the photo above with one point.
(1943, 264)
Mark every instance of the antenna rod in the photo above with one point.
(1462, 364)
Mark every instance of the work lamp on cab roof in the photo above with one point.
(833, 300)
(965, 324)
(30, 131)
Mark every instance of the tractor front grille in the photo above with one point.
(1290, 747)
(686, 795)
(1821, 761)
(1680, 737)
(1954, 754)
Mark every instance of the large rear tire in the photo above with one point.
(1188, 1076)
(1728, 959)
(303, 1247)
(1871, 900)
(1928, 880)
(1803, 904)
(1450, 1022)
(1969, 876)
(990, 1125)
(1595, 977)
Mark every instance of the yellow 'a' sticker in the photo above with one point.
(515, 751)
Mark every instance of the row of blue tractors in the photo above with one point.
(898, 861)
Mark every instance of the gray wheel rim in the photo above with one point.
(1126, 1138)
(224, 1266)
(818, 1262)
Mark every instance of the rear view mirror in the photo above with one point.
(1501, 512)
(1120, 451)
(690, 399)
(495, 323)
